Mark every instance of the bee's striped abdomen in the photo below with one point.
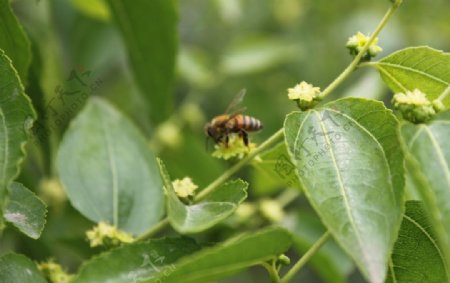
(251, 124)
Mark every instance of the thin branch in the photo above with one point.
(306, 257)
(236, 167)
(217, 182)
(354, 64)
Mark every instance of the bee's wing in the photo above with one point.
(238, 98)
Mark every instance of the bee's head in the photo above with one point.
(210, 131)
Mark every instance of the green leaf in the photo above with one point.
(14, 41)
(416, 257)
(422, 67)
(427, 148)
(149, 29)
(275, 168)
(201, 216)
(108, 171)
(25, 211)
(258, 54)
(135, 261)
(96, 9)
(192, 66)
(225, 259)
(351, 170)
(330, 262)
(15, 268)
(16, 116)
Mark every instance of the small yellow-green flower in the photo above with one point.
(415, 106)
(107, 235)
(271, 210)
(235, 148)
(245, 210)
(169, 134)
(54, 272)
(51, 191)
(415, 98)
(184, 187)
(192, 114)
(306, 95)
(356, 43)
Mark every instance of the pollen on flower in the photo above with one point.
(415, 106)
(184, 187)
(235, 148)
(304, 91)
(415, 97)
(305, 94)
(356, 43)
(105, 234)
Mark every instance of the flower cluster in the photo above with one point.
(356, 43)
(54, 272)
(185, 187)
(107, 235)
(234, 148)
(415, 106)
(305, 94)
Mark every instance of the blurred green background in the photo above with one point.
(265, 46)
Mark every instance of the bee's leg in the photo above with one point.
(226, 135)
(227, 139)
(244, 137)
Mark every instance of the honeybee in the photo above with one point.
(222, 126)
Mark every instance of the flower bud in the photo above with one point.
(271, 210)
(192, 114)
(169, 134)
(357, 42)
(51, 191)
(284, 259)
(245, 210)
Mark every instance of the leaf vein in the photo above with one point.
(5, 149)
(439, 80)
(440, 155)
(343, 191)
(112, 166)
(433, 242)
(387, 74)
